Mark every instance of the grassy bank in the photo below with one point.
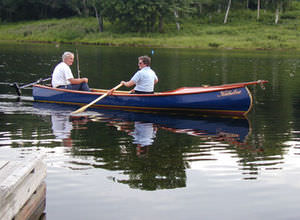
(237, 34)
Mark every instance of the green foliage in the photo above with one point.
(148, 16)
(20, 10)
(242, 35)
(142, 15)
(153, 23)
(61, 30)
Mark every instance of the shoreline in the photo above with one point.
(245, 35)
(146, 46)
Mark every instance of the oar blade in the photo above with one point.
(18, 90)
(83, 108)
(90, 104)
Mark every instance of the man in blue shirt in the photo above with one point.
(144, 79)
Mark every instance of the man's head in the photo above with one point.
(144, 61)
(68, 58)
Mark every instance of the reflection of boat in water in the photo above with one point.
(62, 122)
(235, 129)
(153, 159)
(163, 165)
(227, 127)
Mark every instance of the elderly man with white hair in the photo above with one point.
(63, 78)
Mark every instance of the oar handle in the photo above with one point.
(261, 82)
(116, 87)
(36, 82)
(83, 108)
(18, 88)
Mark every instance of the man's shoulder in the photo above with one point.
(62, 64)
(63, 67)
(146, 69)
(149, 70)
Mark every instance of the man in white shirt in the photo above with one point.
(144, 79)
(63, 78)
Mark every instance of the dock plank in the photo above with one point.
(3, 163)
(35, 206)
(18, 181)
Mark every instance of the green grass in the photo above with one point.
(241, 32)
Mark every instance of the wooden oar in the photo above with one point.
(18, 88)
(83, 108)
(261, 82)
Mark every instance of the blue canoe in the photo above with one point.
(227, 99)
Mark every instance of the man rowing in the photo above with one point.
(143, 80)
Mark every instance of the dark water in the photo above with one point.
(113, 164)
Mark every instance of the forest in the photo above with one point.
(148, 15)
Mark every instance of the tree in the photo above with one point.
(200, 5)
(279, 6)
(134, 15)
(258, 9)
(80, 7)
(97, 6)
(227, 11)
(17, 10)
(144, 15)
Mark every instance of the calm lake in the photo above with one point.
(105, 164)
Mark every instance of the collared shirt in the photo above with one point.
(144, 79)
(61, 75)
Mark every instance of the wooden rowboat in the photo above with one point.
(227, 99)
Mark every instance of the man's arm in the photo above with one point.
(78, 81)
(129, 83)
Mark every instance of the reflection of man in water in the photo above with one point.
(143, 136)
(62, 128)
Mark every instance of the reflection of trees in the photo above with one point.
(161, 165)
(271, 117)
(26, 130)
(162, 168)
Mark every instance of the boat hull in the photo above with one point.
(221, 100)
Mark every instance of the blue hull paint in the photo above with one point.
(234, 100)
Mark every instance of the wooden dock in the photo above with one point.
(22, 187)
